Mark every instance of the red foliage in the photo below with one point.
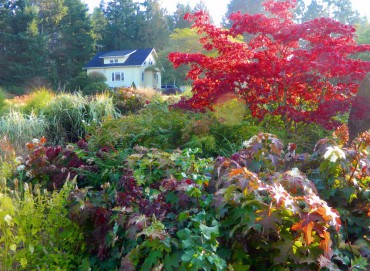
(301, 72)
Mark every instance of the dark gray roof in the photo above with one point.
(135, 59)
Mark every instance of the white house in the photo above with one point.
(127, 67)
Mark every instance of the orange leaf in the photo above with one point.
(325, 244)
(236, 171)
(297, 226)
(307, 231)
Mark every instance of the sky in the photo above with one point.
(217, 8)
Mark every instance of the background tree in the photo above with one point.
(122, 25)
(244, 6)
(153, 26)
(340, 10)
(75, 42)
(99, 24)
(300, 72)
(363, 37)
(177, 19)
(185, 40)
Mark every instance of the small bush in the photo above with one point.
(36, 233)
(89, 84)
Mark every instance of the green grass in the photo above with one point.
(20, 128)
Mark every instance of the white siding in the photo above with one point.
(132, 74)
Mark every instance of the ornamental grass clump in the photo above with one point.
(20, 128)
(70, 115)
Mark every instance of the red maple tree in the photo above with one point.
(302, 72)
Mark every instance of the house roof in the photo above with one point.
(136, 58)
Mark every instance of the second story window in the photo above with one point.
(111, 61)
(116, 60)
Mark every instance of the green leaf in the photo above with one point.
(151, 260)
(13, 247)
(209, 232)
(23, 262)
(359, 263)
(31, 248)
(183, 216)
(171, 262)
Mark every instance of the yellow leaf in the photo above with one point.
(23, 262)
(13, 247)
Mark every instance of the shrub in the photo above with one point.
(36, 233)
(252, 211)
(89, 84)
(157, 126)
(139, 224)
(7, 161)
(128, 100)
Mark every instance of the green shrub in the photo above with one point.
(36, 233)
(89, 84)
(7, 161)
(157, 126)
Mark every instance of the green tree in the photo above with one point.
(244, 6)
(75, 42)
(177, 18)
(153, 26)
(99, 24)
(122, 25)
(22, 47)
(181, 40)
(363, 37)
(340, 10)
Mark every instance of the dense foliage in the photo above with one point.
(300, 71)
(122, 180)
(263, 208)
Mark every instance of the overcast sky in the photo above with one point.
(217, 8)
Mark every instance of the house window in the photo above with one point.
(118, 76)
(116, 60)
(145, 62)
(111, 61)
(142, 76)
(150, 62)
(154, 76)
